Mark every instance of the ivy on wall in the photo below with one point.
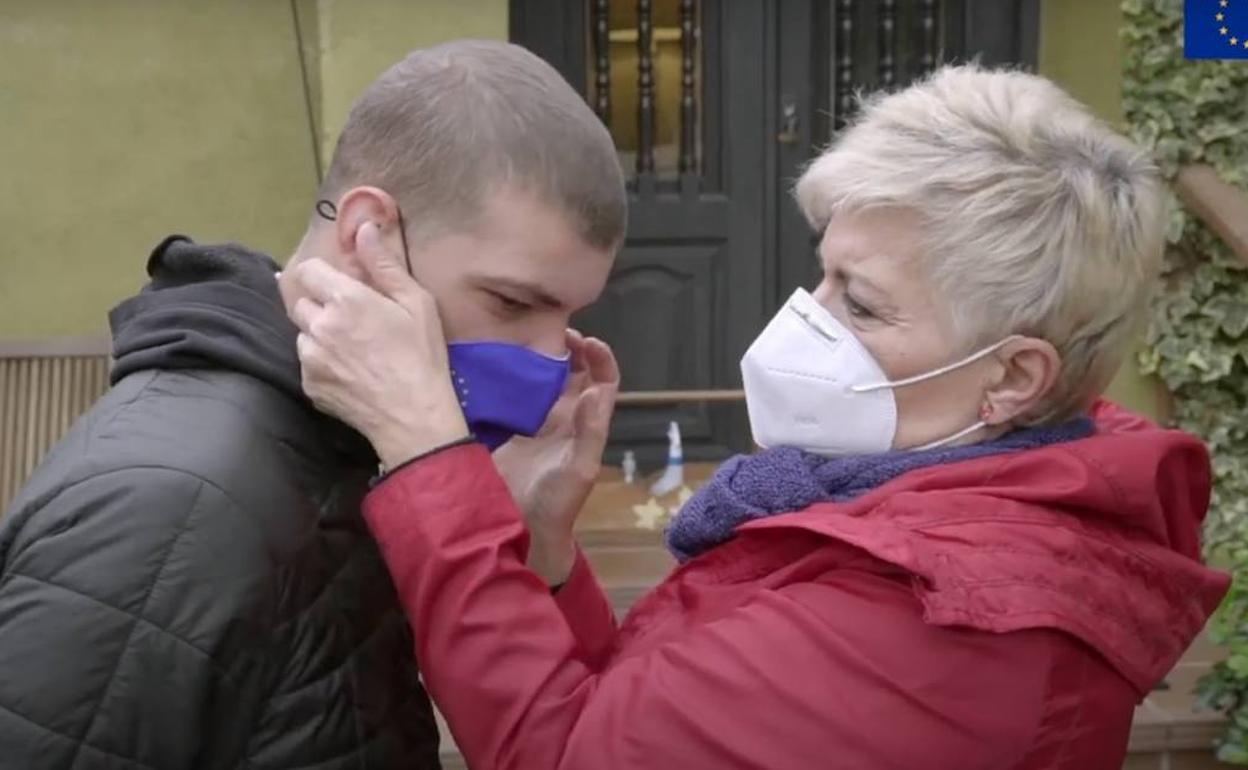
(1197, 112)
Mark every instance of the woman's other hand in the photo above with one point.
(551, 474)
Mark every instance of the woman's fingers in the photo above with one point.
(600, 360)
(592, 429)
(324, 284)
(389, 274)
(578, 372)
(385, 269)
(304, 314)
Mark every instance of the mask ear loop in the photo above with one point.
(950, 439)
(968, 430)
(972, 358)
(326, 209)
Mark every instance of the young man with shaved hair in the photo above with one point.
(186, 581)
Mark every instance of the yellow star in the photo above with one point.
(1222, 3)
(1234, 41)
(650, 514)
(1218, 17)
(1222, 31)
(1246, 45)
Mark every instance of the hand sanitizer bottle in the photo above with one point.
(629, 466)
(674, 474)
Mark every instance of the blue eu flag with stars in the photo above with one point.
(1215, 29)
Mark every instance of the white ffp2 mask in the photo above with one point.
(810, 383)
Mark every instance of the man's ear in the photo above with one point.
(366, 204)
(1029, 370)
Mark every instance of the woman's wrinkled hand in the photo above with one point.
(376, 358)
(551, 474)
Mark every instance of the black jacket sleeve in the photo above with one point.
(125, 631)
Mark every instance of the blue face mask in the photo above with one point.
(504, 390)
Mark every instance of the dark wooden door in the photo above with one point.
(716, 105)
(832, 50)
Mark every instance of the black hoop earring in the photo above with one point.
(327, 210)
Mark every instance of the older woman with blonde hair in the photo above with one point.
(950, 553)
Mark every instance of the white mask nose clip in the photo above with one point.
(813, 323)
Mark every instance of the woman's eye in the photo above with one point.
(856, 309)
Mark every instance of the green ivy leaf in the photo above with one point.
(1184, 110)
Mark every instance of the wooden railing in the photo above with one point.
(1221, 206)
(44, 387)
(665, 397)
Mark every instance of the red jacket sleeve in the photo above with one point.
(588, 611)
(814, 674)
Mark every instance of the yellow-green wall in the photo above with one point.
(1080, 48)
(360, 39)
(123, 121)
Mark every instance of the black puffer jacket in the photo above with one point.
(186, 582)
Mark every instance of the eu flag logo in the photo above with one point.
(1215, 29)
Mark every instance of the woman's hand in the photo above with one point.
(551, 474)
(376, 359)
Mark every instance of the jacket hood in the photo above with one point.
(217, 307)
(207, 307)
(1098, 537)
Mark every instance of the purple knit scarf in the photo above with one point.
(785, 480)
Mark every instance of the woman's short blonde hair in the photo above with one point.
(1037, 218)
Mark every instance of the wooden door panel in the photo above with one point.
(658, 310)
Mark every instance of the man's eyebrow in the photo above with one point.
(531, 291)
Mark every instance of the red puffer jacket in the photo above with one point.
(1006, 612)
